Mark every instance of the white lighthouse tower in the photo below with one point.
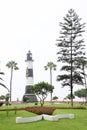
(29, 96)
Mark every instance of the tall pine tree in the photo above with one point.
(71, 50)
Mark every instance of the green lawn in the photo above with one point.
(78, 123)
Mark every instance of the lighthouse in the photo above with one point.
(29, 96)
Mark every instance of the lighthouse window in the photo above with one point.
(29, 72)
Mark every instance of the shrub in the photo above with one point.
(1, 103)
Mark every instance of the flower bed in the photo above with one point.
(40, 110)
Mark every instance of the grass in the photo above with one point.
(79, 122)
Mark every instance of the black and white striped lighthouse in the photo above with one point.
(29, 96)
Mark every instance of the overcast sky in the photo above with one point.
(33, 25)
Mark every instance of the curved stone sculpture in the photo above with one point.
(43, 116)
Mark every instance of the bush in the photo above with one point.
(1, 103)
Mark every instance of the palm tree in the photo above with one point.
(50, 65)
(13, 66)
(1, 84)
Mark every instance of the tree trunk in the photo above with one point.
(71, 83)
(11, 84)
(51, 84)
(72, 97)
(41, 102)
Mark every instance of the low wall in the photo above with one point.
(43, 116)
(28, 119)
(57, 117)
